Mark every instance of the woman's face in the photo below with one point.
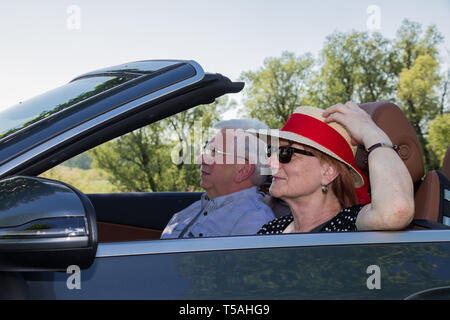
(300, 177)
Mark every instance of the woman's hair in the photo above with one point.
(342, 186)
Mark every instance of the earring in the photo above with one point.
(324, 188)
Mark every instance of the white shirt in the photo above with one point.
(240, 213)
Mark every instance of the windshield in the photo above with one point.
(26, 113)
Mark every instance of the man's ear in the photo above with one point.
(243, 172)
(329, 173)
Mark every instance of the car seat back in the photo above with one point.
(431, 206)
(396, 125)
(432, 199)
(432, 202)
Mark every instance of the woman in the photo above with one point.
(314, 172)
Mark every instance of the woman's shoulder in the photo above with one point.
(343, 221)
(276, 226)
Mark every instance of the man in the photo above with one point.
(230, 175)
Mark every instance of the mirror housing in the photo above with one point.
(45, 225)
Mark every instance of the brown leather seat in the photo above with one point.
(396, 125)
(431, 206)
(428, 198)
(432, 199)
(112, 232)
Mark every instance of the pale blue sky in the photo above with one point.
(38, 52)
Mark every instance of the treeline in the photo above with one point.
(354, 66)
(361, 67)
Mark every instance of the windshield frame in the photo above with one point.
(134, 77)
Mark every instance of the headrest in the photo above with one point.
(394, 123)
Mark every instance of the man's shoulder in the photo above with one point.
(190, 208)
(249, 207)
(258, 201)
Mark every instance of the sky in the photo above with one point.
(44, 44)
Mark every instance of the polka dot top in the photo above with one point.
(342, 222)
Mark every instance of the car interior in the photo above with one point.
(143, 216)
(429, 189)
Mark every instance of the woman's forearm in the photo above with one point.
(391, 185)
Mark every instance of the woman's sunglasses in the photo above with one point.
(285, 153)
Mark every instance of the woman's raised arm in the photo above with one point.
(392, 206)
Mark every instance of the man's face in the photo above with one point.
(218, 168)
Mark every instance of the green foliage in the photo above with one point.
(274, 91)
(417, 89)
(88, 181)
(355, 66)
(439, 136)
(82, 161)
(419, 79)
(135, 161)
(411, 42)
(143, 160)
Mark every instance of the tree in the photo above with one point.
(411, 42)
(375, 77)
(418, 96)
(419, 78)
(136, 161)
(355, 66)
(142, 160)
(439, 136)
(275, 90)
(444, 105)
(337, 78)
(82, 161)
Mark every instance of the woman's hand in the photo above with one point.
(357, 122)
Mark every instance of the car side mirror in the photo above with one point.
(45, 225)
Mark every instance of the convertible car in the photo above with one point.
(57, 242)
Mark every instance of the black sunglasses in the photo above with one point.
(285, 153)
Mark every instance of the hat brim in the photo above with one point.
(267, 136)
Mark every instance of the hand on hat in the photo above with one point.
(355, 120)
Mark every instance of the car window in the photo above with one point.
(159, 157)
(28, 112)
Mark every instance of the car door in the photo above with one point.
(357, 265)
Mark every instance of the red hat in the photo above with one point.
(307, 126)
